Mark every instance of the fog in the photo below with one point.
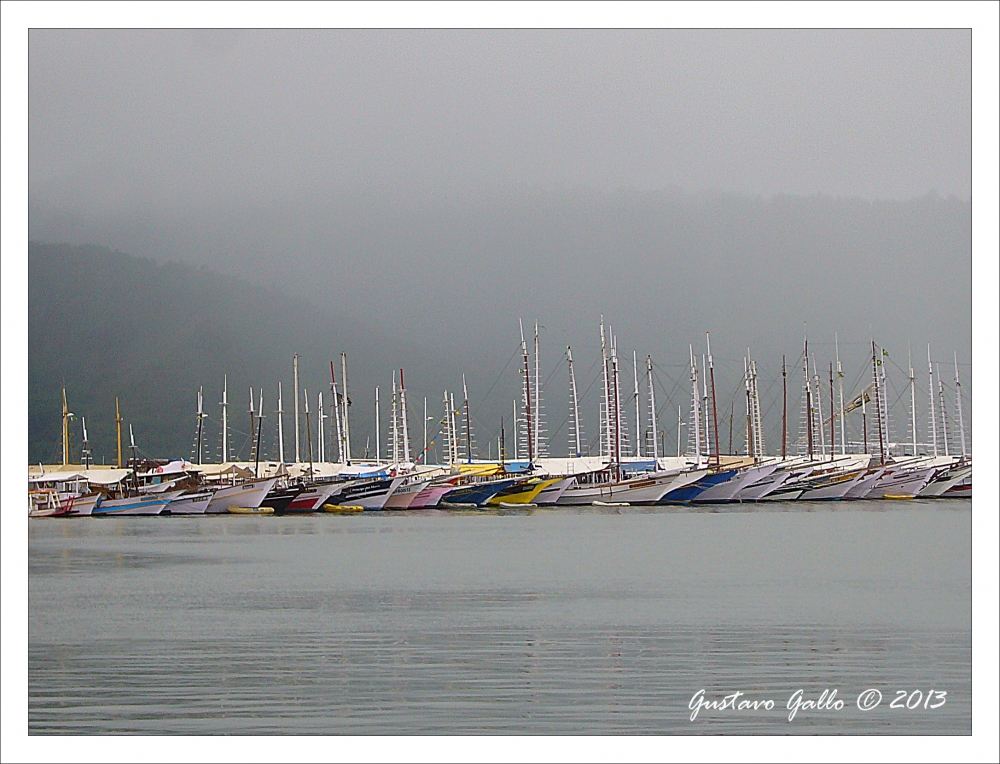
(441, 185)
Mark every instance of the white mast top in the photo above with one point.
(402, 412)
(958, 403)
(652, 405)
(930, 375)
(281, 432)
(225, 426)
(295, 375)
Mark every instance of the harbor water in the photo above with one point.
(587, 621)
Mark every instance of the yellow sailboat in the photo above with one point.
(523, 493)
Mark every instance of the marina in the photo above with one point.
(824, 463)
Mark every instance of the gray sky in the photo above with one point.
(441, 184)
(121, 119)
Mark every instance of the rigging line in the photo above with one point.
(500, 375)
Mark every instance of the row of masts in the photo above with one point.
(818, 432)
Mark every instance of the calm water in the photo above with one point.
(571, 622)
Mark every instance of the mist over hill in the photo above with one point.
(107, 325)
(437, 288)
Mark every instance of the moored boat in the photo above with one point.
(248, 494)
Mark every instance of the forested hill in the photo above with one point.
(105, 325)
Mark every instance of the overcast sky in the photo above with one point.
(120, 118)
(443, 184)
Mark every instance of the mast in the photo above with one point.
(878, 406)
(538, 400)
(225, 423)
(958, 404)
(638, 421)
(758, 429)
(746, 385)
(201, 416)
(833, 437)
(65, 429)
(840, 382)
(347, 405)
(679, 425)
(606, 440)
(617, 405)
(336, 415)
(695, 408)
(809, 409)
(468, 421)
(281, 432)
(135, 463)
(944, 413)
(260, 426)
(253, 430)
(395, 422)
(85, 447)
(732, 407)
(784, 410)
(715, 415)
(118, 424)
(527, 399)
(454, 429)
(309, 445)
(652, 405)
(575, 442)
(402, 413)
(503, 448)
(514, 427)
(704, 409)
(930, 375)
(424, 456)
(818, 397)
(378, 433)
(295, 378)
(913, 399)
(320, 435)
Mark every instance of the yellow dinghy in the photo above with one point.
(343, 509)
(523, 493)
(898, 496)
(250, 510)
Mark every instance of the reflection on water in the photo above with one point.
(539, 622)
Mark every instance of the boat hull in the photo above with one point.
(370, 494)
(249, 494)
(727, 490)
(430, 496)
(190, 503)
(147, 504)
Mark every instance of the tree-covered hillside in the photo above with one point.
(105, 324)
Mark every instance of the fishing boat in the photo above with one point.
(312, 497)
(407, 491)
(45, 502)
(430, 495)
(691, 490)
(190, 503)
(370, 493)
(141, 504)
(522, 493)
(248, 494)
(727, 490)
(480, 492)
(946, 479)
(645, 488)
(280, 499)
(904, 481)
(551, 494)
